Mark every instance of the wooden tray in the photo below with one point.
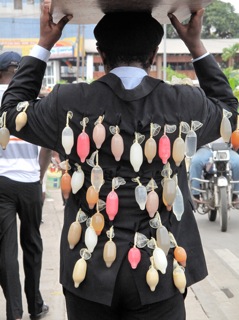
(91, 11)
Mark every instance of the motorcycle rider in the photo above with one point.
(199, 161)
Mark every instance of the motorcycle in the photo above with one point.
(216, 186)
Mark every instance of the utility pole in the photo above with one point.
(164, 53)
(78, 54)
(83, 52)
(80, 58)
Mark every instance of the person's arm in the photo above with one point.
(25, 85)
(190, 33)
(44, 161)
(212, 80)
(50, 32)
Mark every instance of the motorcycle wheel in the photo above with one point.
(212, 215)
(223, 209)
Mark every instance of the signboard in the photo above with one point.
(61, 52)
(91, 11)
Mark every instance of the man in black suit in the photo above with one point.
(128, 99)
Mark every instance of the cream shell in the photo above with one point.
(79, 272)
(21, 120)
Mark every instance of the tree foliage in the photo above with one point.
(220, 21)
(228, 54)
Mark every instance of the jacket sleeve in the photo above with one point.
(26, 83)
(214, 83)
(25, 86)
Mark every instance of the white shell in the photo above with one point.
(97, 177)
(67, 139)
(190, 143)
(160, 260)
(77, 180)
(141, 196)
(136, 156)
(178, 204)
(226, 129)
(91, 239)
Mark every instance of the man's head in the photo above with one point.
(127, 37)
(9, 61)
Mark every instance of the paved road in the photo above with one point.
(215, 298)
(219, 292)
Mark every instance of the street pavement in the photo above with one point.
(204, 301)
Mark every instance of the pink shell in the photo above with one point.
(98, 135)
(112, 205)
(83, 146)
(164, 148)
(134, 257)
(117, 146)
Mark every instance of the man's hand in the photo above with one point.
(50, 32)
(190, 33)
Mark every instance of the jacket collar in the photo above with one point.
(143, 89)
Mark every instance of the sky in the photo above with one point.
(235, 4)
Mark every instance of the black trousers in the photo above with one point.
(26, 200)
(126, 304)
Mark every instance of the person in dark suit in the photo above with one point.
(127, 270)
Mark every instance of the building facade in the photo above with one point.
(75, 57)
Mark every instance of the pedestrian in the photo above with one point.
(127, 270)
(22, 167)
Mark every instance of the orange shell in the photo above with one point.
(66, 185)
(92, 197)
(180, 255)
(235, 139)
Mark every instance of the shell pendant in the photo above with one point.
(21, 118)
(134, 254)
(99, 132)
(77, 179)
(140, 193)
(112, 199)
(191, 139)
(66, 183)
(80, 268)
(74, 232)
(91, 238)
(152, 202)
(150, 147)
(110, 250)
(152, 276)
(225, 127)
(4, 132)
(92, 197)
(67, 135)
(136, 152)
(97, 174)
(98, 222)
(179, 278)
(117, 143)
(83, 142)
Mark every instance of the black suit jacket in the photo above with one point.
(133, 111)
